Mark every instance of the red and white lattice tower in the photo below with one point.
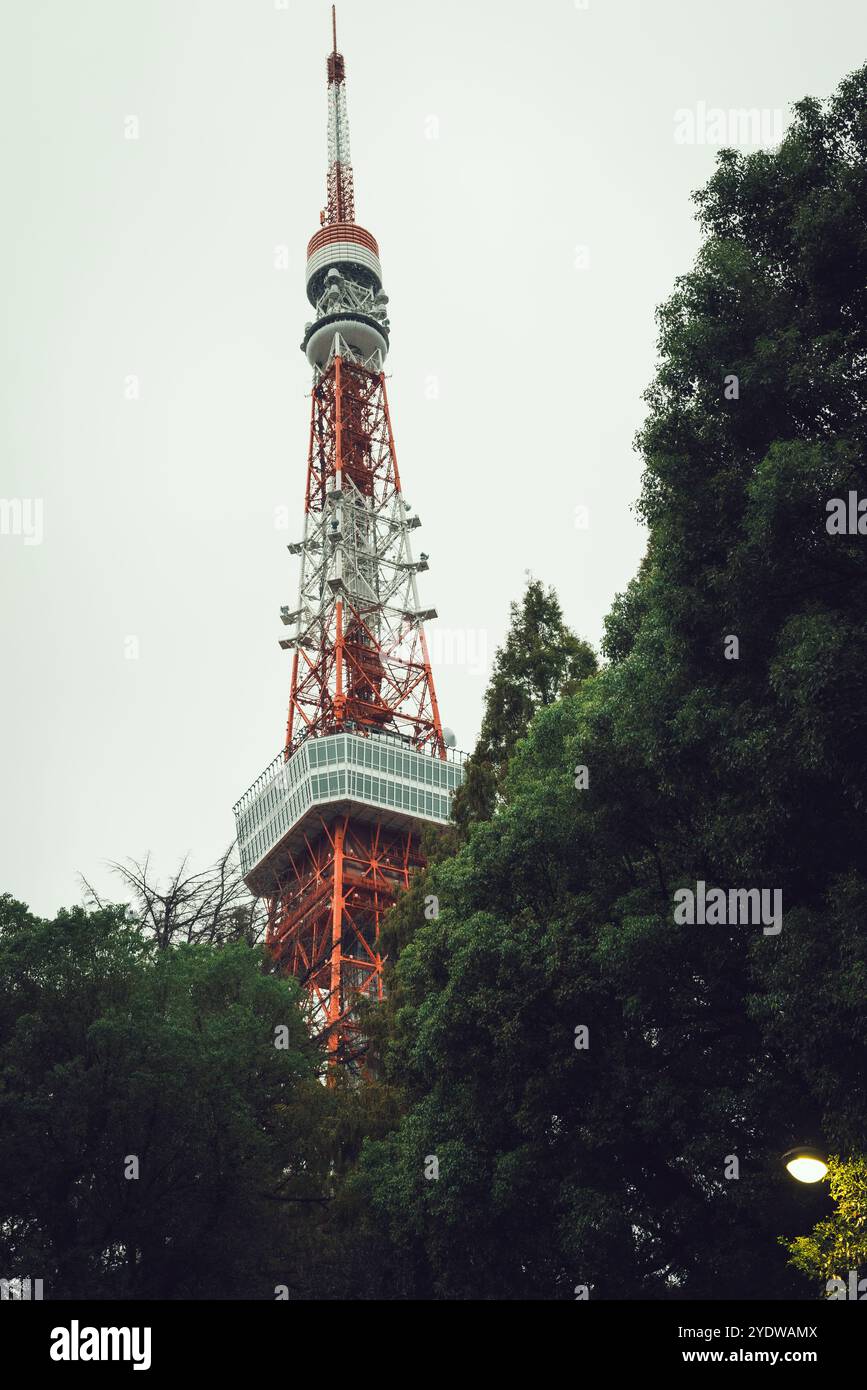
(329, 833)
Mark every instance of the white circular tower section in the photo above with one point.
(359, 332)
(346, 247)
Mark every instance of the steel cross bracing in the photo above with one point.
(324, 926)
(361, 657)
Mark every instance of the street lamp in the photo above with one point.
(806, 1163)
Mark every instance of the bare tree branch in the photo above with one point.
(213, 906)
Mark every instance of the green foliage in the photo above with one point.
(838, 1244)
(607, 1165)
(111, 1048)
(540, 661)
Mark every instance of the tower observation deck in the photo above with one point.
(329, 833)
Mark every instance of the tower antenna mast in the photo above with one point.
(340, 202)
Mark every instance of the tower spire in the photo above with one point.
(340, 206)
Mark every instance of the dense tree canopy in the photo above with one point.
(737, 764)
(150, 1123)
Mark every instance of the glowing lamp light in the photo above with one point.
(806, 1164)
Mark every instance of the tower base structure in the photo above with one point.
(329, 836)
(324, 927)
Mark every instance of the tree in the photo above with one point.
(838, 1244)
(643, 1158)
(158, 1110)
(540, 661)
(213, 907)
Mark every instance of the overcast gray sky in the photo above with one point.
(528, 178)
